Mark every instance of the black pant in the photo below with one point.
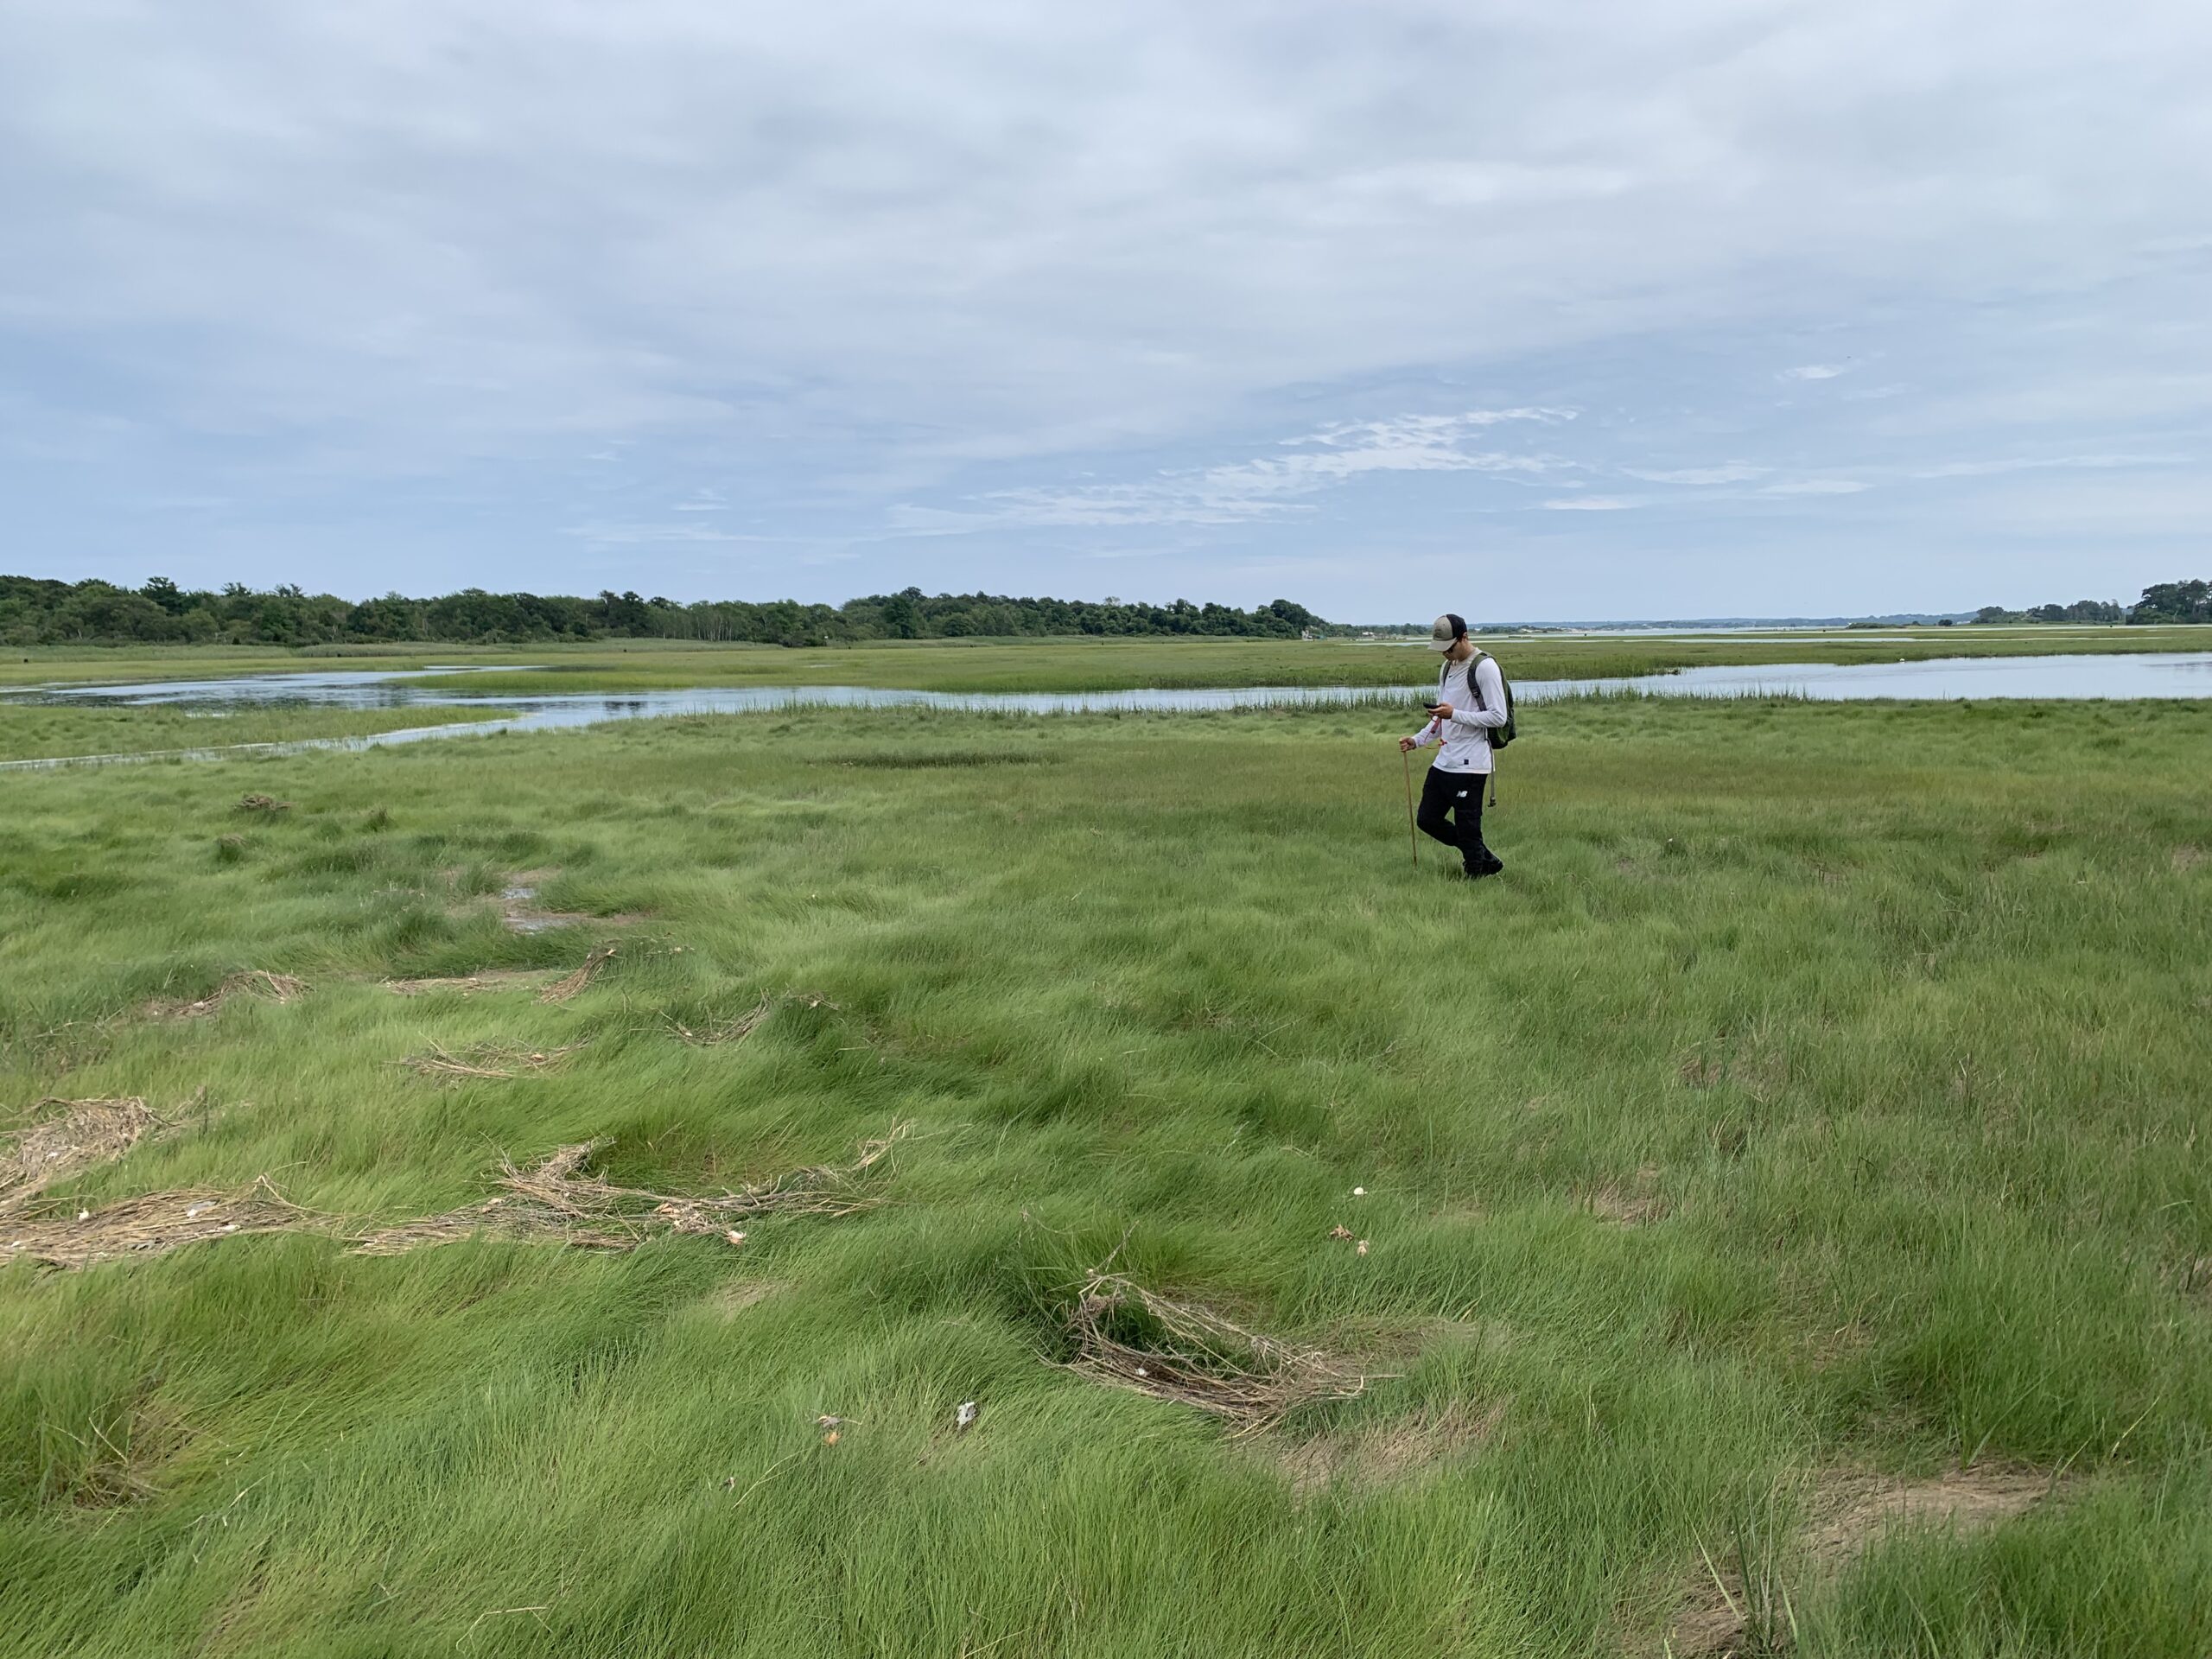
(1447, 795)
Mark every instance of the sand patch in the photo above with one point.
(1700, 1070)
(1729, 1612)
(1853, 1512)
(1384, 1453)
(1631, 1202)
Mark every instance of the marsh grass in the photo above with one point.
(1889, 1021)
(1072, 665)
(35, 731)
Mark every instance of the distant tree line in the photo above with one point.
(41, 613)
(2162, 602)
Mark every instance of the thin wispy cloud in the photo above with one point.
(1816, 372)
(1270, 486)
(645, 535)
(2046, 464)
(1732, 472)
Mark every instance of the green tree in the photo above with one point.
(2174, 601)
(902, 616)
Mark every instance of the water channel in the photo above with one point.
(2067, 677)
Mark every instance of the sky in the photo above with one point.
(1521, 309)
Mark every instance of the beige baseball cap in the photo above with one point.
(1449, 627)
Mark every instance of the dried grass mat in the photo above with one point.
(498, 1061)
(152, 1224)
(256, 982)
(1128, 1336)
(84, 1134)
(557, 1199)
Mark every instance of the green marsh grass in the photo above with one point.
(1074, 664)
(42, 731)
(1822, 1089)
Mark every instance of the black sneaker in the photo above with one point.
(1476, 871)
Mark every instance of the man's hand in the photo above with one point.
(1442, 710)
(1406, 745)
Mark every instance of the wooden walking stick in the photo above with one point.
(1411, 835)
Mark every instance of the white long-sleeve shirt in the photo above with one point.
(1465, 735)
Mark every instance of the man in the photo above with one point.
(1470, 703)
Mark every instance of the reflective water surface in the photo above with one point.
(2163, 674)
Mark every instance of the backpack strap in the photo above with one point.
(1475, 685)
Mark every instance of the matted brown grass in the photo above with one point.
(550, 986)
(557, 1199)
(497, 1061)
(490, 979)
(74, 1135)
(256, 982)
(1127, 1337)
(736, 1028)
(573, 985)
(153, 1224)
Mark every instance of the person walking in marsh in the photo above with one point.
(1471, 706)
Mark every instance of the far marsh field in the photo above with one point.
(1072, 664)
(1778, 1211)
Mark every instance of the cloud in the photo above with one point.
(1271, 486)
(2022, 464)
(637, 535)
(906, 518)
(1734, 472)
(1815, 487)
(927, 279)
(1593, 503)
